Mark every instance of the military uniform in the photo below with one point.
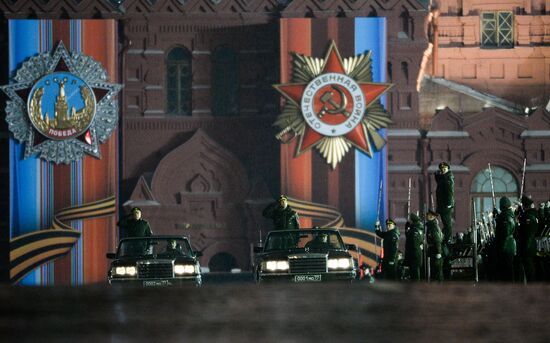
(135, 228)
(435, 249)
(527, 246)
(283, 218)
(505, 244)
(445, 199)
(391, 245)
(413, 246)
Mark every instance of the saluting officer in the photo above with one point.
(391, 246)
(135, 226)
(435, 248)
(284, 217)
(414, 232)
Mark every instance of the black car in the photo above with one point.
(155, 261)
(314, 255)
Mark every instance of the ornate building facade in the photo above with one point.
(196, 144)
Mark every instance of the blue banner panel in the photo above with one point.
(24, 42)
(370, 35)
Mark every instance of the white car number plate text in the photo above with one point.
(156, 283)
(307, 278)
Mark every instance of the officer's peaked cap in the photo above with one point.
(432, 212)
(526, 201)
(135, 209)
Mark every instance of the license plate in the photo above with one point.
(156, 283)
(307, 278)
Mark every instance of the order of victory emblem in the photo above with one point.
(61, 106)
(332, 104)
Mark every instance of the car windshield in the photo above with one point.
(314, 239)
(154, 246)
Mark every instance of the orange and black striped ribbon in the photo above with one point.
(366, 240)
(31, 250)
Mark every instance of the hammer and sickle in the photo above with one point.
(336, 108)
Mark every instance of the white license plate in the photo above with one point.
(156, 283)
(307, 278)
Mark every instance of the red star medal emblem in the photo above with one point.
(329, 108)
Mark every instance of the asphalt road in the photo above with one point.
(230, 308)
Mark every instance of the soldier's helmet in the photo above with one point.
(414, 218)
(504, 203)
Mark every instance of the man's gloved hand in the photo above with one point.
(438, 256)
(421, 246)
(377, 224)
(495, 212)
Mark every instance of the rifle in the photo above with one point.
(492, 186)
(474, 240)
(425, 250)
(377, 252)
(522, 178)
(379, 202)
(409, 200)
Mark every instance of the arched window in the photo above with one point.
(178, 82)
(405, 71)
(225, 82)
(504, 184)
(405, 23)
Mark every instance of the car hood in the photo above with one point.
(284, 254)
(152, 258)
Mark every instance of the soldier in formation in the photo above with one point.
(435, 248)
(414, 233)
(505, 244)
(391, 245)
(526, 232)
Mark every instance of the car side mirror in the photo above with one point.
(258, 249)
(111, 255)
(198, 253)
(351, 247)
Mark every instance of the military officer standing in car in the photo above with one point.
(283, 216)
(445, 201)
(414, 233)
(391, 246)
(435, 248)
(134, 225)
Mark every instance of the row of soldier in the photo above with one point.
(510, 238)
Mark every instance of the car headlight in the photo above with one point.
(125, 270)
(184, 269)
(276, 265)
(339, 263)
